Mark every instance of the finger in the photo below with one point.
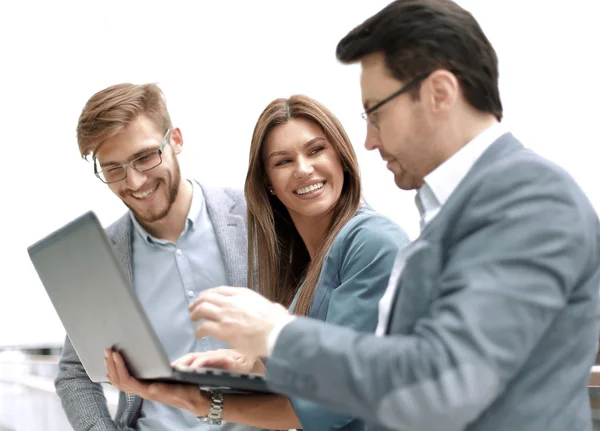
(120, 367)
(217, 293)
(208, 295)
(214, 362)
(186, 359)
(209, 328)
(230, 291)
(189, 358)
(112, 374)
(206, 310)
(126, 381)
(211, 296)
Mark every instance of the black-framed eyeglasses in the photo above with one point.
(372, 120)
(114, 173)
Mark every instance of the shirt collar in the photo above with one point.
(443, 180)
(197, 205)
(426, 201)
(191, 221)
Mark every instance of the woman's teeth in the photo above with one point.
(309, 189)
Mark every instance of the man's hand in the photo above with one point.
(227, 359)
(181, 396)
(240, 317)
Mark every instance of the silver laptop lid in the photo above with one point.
(94, 300)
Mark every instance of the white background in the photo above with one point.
(219, 64)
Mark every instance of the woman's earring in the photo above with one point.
(271, 190)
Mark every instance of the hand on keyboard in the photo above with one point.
(227, 359)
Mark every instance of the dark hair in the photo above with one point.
(420, 36)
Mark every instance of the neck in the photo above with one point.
(463, 132)
(313, 231)
(171, 226)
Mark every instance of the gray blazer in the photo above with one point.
(83, 400)
(495, 320)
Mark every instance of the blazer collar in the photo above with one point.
(501, 148)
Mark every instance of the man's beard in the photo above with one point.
(150, 216)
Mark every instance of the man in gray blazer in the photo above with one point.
(177, 239)
(491, 316)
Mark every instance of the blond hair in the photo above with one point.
(108, 111)
(274, 244)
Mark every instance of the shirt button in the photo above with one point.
(178, 252)
(190, 293)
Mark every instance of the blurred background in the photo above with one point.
(219, 64)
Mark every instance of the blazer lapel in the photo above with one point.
(415, 286)
(120, 234)
(424, 258)
(228, 215)
(502, 147)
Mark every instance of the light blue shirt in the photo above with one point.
(167, 278)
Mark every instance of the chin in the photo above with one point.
(150, 215)
(405, 183)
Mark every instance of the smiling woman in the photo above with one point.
(297, 145)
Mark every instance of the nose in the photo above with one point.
(372, 140)
(304, 167)
(135, 179)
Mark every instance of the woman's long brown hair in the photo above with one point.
(274, 245)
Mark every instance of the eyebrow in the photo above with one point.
(308, 144)
(135, 156)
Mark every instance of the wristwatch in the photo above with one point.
(215, 413)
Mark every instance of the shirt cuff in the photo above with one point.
(274, 334)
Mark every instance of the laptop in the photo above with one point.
(98, 308)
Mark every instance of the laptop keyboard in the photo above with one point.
(217, 372)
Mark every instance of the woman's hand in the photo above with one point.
(181, 396)
(228, 359)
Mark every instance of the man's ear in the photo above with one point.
(176, 140)
(442, 91)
